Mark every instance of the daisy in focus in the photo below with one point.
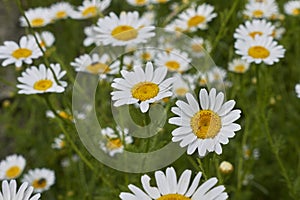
(37, 17)
(90, 8)
(238, 66)
(40, 179)
(41, 80)
(96, 64)
(196, 18)
(260, 49)
(297, 89)
(141, 87)
(169, 188)
(10, 192)
(174, 61)
(61, 10)
(253, 28)
(261, 9)
(129, 28)
(112, 142)
(292, 8)
(12, 167)
(207, 126)
(15, 53)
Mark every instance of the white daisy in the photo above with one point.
(204, 128)
(278, 32)
(199, 47)
(143, 55)
(9, 191)
(90, 8)
(169, 188)
(292, 8)
(41, 80)
(260, 49)
(174, 61)
(59, 142)
(25, 51)
(216, 75)
(159, 1)
(40, 179)
(61, 113)
(297, 89)
(45, 39)
(238, 66)
(253, 28)
(141, 87)
(129, 28)
(113, 140)
(261, 10)
(61, 10)
(96, 64)
(138, 2)
(37, 17)
(180, 87)
(12, 167)
(197, 18)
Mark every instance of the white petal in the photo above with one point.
(204, 100)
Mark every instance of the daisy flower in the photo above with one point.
(297, 89)
(61, 10)
(199, 46)
(216, 75)
(40, 179)
(41, 80)
(144, 55)
(129, 28)
(174, 61)
(253, 28)
(261, 9)
(180, 87)
(113, 142)
(61, 113)
(158, 1)
(238, 66)
(138, 2)
(25, 51)
(9, 191)
(96, 64)
(260, 49)
(168, 187)
(45, 39)
(207, 126)
(197, 18)
(141, 87)
(90, 34)
(37, 17)
(12, 167)
(59, 142)
(292, 8)
(90, 8)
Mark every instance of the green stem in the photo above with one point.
(200, 165)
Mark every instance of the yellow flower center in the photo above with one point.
(39, 183)
(65, 115)
(194, 21)
(144, 91)
(146, 56)
(258, 52)
(13, 172)
(60, 14)
(124, 33)
(240, 68)
(22, 53)
(172, 65)
(37, 22)
(206, 124)
(202, 81)
(114, 143)
(296, 11)
(197, 47)
(90, 11)
(97, 68)
(258, 13)
(254, 33)
(140, 2)
(173, 197)
(43, 85)
(181, 91)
